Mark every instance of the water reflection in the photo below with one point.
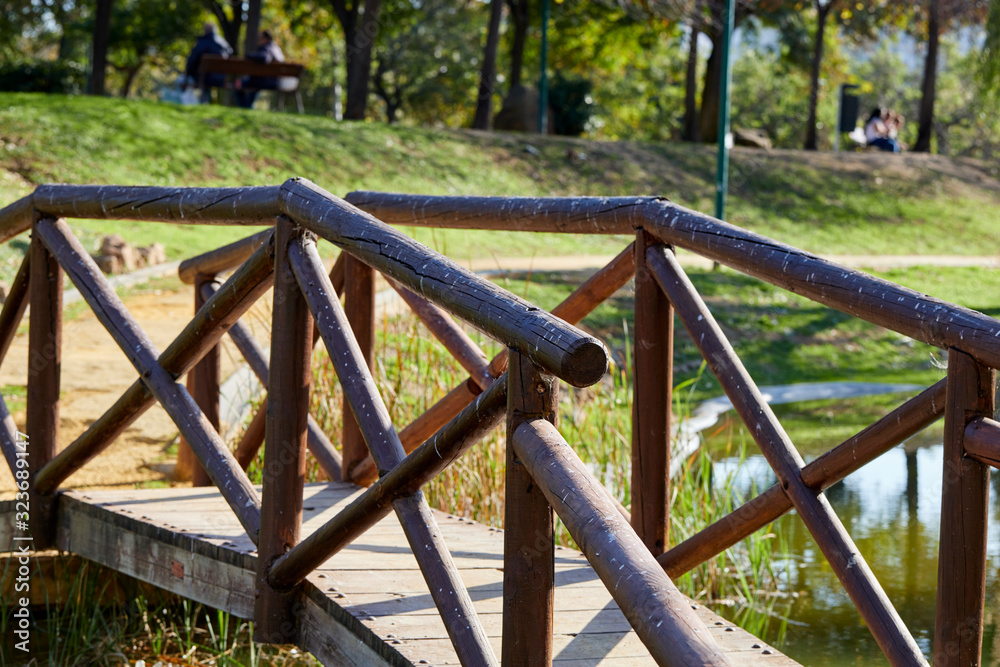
(891, 508)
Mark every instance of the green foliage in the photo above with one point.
(151, 32)
(426, 60)
(572, 105)
(63, 77)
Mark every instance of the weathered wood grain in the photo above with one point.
(965, 493)
(14, 305)
(233, 299)
(10, 318)
(44, 368)
(652, 391)
(529, 532)
(848, 290)
(982, 441)
(142, 354)
(16, 217)
(812, 505)
(221, 206)
(571, 355)
(572, 215)
(203, 381)
(660, 615)
(359, 307)
(222, 259)
(284, 470)
(905, 421)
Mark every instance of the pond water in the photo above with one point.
(891, 508)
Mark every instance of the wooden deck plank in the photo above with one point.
(368, 604)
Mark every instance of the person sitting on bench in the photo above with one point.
(267, 52)
(209, 43)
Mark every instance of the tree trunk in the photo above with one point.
(230, 26)
(253, 26)
(488, 74)
(99, 52)
(361, 40)
(710, 93)
(822, 11)
(520, 16)
(130, 74)
(927, 90)
(692, 128)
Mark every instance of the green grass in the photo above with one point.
(850, 203)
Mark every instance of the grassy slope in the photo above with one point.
(851, 203)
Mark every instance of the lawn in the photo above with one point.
(857, 203)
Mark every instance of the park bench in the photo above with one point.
(289, 75)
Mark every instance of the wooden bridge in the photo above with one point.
(326, 566)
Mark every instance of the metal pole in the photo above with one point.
(722, 171)
(543, 84)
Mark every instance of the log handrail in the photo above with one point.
(564, 350)
(854, 292)
(657, 611)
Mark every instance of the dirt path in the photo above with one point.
(95, 372)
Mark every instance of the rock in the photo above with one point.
(122, 256)
(108, 263)
(519, 112)
(151, 255)
(752, 138)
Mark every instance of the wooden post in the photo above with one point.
(529, 547)
(359, 304)
(285, 453)
(958, 626)
(652, 382)
(203, 385)
(44, 361)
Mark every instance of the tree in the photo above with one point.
(691, 130)
(230, 22)
(520, 15)
(425, 58)
(488, 73)
(99, 57)
(927, 87)
(360, 22)
(822, 12)
(147, 31)
(941, 15)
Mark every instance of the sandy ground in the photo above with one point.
(95, 372)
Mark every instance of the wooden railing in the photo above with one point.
(542, 471)
(541, 349)
(964, 397)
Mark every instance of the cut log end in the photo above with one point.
(585, 363)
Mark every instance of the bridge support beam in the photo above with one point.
(529, 540)
(285, 449)
(961, 593)
(44, 361)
